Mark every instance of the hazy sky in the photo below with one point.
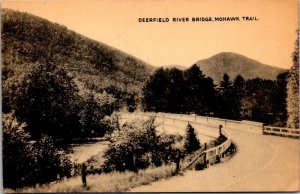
(269, 40)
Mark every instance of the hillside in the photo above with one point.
(234, 64)
(28, 39)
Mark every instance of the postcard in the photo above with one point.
(150, 96)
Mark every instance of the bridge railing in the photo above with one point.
(280, 131)
(244, 125)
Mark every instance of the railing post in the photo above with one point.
(83, 175)
(220, 130)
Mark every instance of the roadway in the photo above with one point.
(262, 163)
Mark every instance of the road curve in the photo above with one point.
(262, 163)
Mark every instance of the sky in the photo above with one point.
(270, 39)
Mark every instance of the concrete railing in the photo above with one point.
(208, 122)
(280, 131)
(210, 155)
(176, 120)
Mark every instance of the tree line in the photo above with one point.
(191, 92)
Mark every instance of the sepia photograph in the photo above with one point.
(150, 96)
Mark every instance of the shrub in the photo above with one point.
(17, 153)
(200, 165)
(132, 147)
(137, 146)
(130, 108)
(191, 141)
(27, 162)
(169, 145)
(93, 115)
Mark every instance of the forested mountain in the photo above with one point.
(57, 85)
(235, 64)
(27, 40)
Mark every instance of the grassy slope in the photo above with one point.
(234, 64)
(112, 182)
(27, 39)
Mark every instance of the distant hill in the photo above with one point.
(234, 64)
(28, 39)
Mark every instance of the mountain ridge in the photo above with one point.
(236, 64)
(29, 39)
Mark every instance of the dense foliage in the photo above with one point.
(191, 143)
(190, 91)
(173, 90)
(293, 89)
(27, 39)
(47, 99)
(27, 162)
(137, 146)
(57, 82)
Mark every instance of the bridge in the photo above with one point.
(262, 162)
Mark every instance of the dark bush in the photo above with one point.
(200, 166)
(191, 143)
(169, 146)
(130, 108)
(27, 162)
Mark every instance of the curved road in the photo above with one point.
(262, 163)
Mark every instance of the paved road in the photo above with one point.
(83, 152)
(262, 163)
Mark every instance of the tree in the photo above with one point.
(191, 143)
(46, 98)
(173, 90)
(293, 89)
(226, 108)
(238, 90)
(132, 147)
(17, 153)
(194, 80)
(169, 145)
(155, 92)
(137, 146)
(26, 161)
(91, 116)
(280, 111)
(175, 96)
(259, 101)
(209, 97)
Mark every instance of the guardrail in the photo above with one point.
(220, 149)
(280, 131)
(244, 125)
(210, 154)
